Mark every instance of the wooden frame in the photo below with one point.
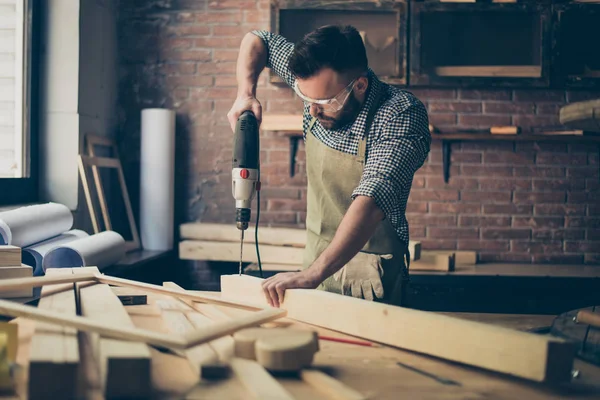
(262, 315)
(398, 8)
(103, 162)
(470, 76)
(522, 354)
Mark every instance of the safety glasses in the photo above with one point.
(334, 104)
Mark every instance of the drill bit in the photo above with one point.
(241, 249)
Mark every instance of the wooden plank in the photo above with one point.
(433, 262)
(124, 365)
(10, 256)
(224, 251)
(281, 122)
(229, 233)
(521, 354)
(331, 387)
(517, 71)
(54, 352)
(258, 381)
(22, 271)
(461, 257)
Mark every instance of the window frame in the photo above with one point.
(25, 190)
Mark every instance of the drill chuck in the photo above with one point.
(242, 218)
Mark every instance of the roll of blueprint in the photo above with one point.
(157, 175)
(100, 250)
(27, 225)
(34, 255)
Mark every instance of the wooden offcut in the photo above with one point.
(20, 271)
(124, 365)
(525, 355)
(434, 262)
(10, 256)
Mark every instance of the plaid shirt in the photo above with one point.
(397, 144)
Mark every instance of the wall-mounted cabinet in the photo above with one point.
(492, 43)
(382, 24)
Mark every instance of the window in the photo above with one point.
(18, 87)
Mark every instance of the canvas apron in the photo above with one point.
(332, 177)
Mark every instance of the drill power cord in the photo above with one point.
(256, 228)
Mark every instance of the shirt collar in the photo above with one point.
(358, 127)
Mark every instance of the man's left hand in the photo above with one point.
(275, 286)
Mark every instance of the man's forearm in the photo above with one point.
(357, 227)
(251, 61)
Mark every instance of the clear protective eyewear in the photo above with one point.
(334, 104)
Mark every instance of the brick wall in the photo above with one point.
(525, 202)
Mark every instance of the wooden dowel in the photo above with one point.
(588, 317)
(227, 327)
(85, 324)
(26, 283)
(111, 280)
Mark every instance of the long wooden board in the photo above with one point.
(230, 251)
(507, 351)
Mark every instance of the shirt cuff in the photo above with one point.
(382, 191)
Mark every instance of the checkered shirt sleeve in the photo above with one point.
(279, 50)
(392, 160)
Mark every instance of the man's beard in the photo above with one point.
(347, 115)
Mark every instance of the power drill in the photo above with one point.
(245, 177)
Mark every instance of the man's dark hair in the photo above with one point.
(340, 48)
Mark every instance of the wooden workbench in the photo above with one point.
(371, 370)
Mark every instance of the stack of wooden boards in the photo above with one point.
(281, 249)
(12, 267)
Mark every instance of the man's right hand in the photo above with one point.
(241, 104)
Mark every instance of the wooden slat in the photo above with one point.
(258, 381)
(223, 251)
(331, 387)
(521, 71)
(433, 262)
(54, 352)
(124, 365)
(281, 122)
(521, 354)
(229, 233)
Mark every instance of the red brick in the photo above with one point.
(278, 156)
(487, 146)
(582, 222)
(440, 120)
(189, 80)
(454, 106)
(218, 42)
(214, 93)
(593, 234)
(225, 81)
(276, 217)
(173, 43)
(416, 232)
(541, 146)
(592, 259)
(185, 17)
(213, 17)
(539, 171)
(286, 205)
(526, 122)
(582, 95)
(180, 94)
(579, 147)
(539, 222)
(471, 94)
(414, 207)
(483, 121)
(593, 210)
(538, 197)
(559, 184)
(186, 55)
(485, 197)
(431, 220)
(582, 247)
(505, 233)
(235, 4)
(520, 246)
(426, 94)
(252, 16)
(194, 107)
(459, 233)
(435, 195)
(438, 244)
(583, 197)
(504, 184)
(179, 68)
(559, 209)
(545, 108)
(557, 259)
(561, 159)
(470, 220)
(460, 157)
(582, 172)
(229, 30)
(557, 234)
(513, 209)
(539, 95)
(454, 183)
(225, 55)
(508, 108)
(594, 159)
(592, 184)
(418, 182)
(284, 107)
(478, 245)
(486, 170)
(454, 208)
(504, 258)
(281, 193)
(189, 30)
(507, 158)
